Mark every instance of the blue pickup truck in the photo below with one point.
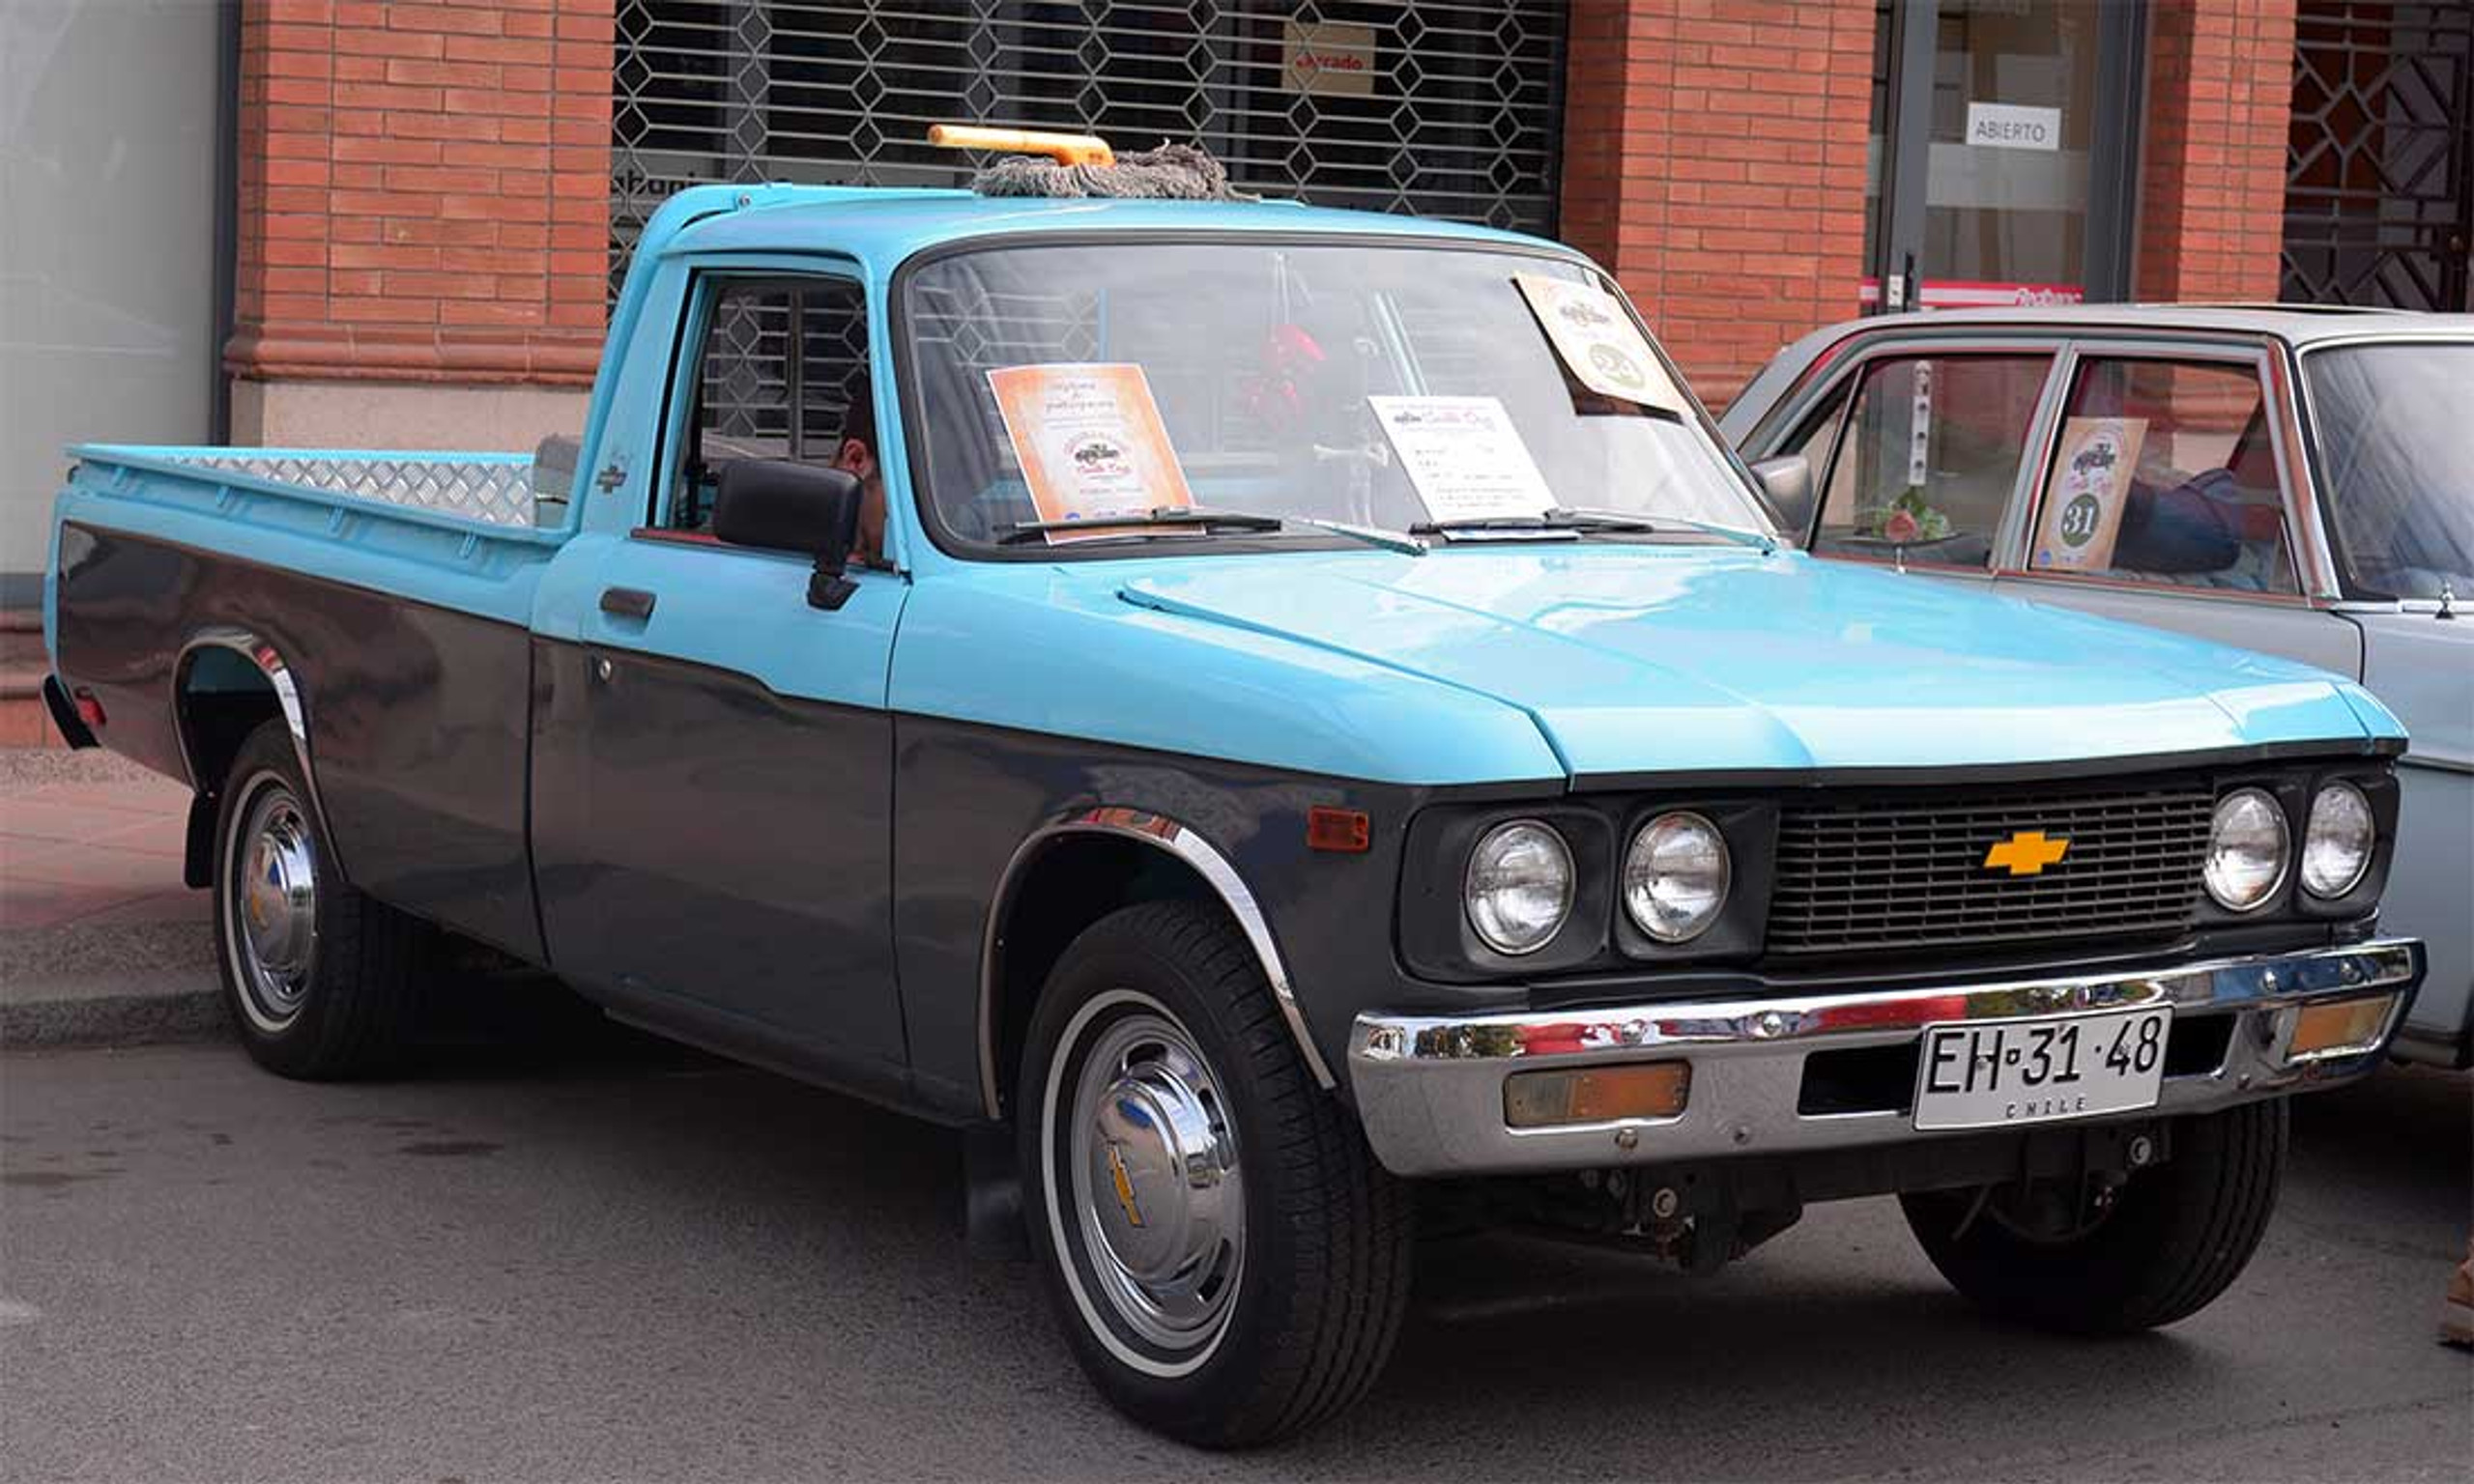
(1278, 722)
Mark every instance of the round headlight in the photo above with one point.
(2335, 846)
(2246, 850)
(1519, 886)
(1675, 876)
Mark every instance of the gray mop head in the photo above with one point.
(1172, 172)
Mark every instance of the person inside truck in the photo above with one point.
(856, 452)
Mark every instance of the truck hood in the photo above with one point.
(1634, 660)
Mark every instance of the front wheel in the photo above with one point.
(1228, 1258)
(2157, 1249)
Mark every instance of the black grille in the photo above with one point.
(1857, 876)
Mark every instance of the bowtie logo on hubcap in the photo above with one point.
(1125, 1187)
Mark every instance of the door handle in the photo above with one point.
(627, 603)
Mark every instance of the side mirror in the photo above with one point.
(1788, 482)
(783, 506)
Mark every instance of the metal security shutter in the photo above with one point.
(1442, 107)
(2380, 184)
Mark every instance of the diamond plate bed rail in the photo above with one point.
(499, 490)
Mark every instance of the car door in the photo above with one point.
(2386, 420)
(2196, 529)
(724, 862)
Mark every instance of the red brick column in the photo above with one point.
(2220, 93)
(424, 190)
(1713, 160)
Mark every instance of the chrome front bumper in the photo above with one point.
(1430, 1088)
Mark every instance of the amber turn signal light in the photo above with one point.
(2339, 1027)
(1595, 1095)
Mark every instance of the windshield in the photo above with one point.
(1388, 387)
(2395, 429)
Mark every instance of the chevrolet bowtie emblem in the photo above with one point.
(1125, 1187)
(2027, 853)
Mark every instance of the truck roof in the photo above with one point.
(891, 223)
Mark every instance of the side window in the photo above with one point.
(1929, 457)
(2165, 472)
(783, 374)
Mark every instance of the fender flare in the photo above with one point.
(268, 662)
(1177, 838)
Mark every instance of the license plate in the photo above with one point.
(2001, 1073)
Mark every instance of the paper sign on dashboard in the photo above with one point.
(1599, 341)
(1465, 457)
(1090, 441)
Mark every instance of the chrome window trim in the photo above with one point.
(1163, 832)
(2302, 489)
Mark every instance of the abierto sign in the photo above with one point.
(2014, 127)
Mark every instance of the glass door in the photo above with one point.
(2001, 152)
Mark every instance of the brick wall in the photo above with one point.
(1713, 160)
(2212, 187)
(424, 190)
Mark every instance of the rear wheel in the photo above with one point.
(322, 981)
(1229, 1260)
(2156, 1250)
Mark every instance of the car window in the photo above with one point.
(2164, 471)
(2396, 430)
(1928, 458)
(782, 374)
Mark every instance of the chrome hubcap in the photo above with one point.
(274, 907)
(1156, 1182)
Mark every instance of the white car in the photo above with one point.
(2293, 480)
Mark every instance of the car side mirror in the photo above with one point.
(1788, 482)
(780, 505)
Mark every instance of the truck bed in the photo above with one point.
(394, 589)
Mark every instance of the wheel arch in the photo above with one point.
(227, 682)
(1066, 875)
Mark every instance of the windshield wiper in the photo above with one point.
(1133, 523)
(1583, 522)
(1740, 535)
(1206, 519)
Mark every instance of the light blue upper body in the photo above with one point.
(1474, 664)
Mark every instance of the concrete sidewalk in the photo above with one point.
(100, 942)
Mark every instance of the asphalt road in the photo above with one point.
(630, 1264)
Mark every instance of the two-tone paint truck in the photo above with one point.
(1263, 714)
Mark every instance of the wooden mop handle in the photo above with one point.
(1064, 149)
